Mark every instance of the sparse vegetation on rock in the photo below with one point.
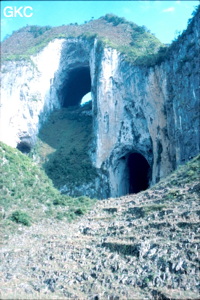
(63, 146)
(130, 39)
(136, 42)
(20, 217)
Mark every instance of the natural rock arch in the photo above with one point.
(138, 173)
(76, 85)
(131, 173)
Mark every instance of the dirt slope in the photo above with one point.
(142, 246)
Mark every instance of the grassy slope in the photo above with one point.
(25, 188)
(136, 42)
(63, 146)
(127, 37)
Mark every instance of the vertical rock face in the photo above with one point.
(28, 95)
(130, 119)
(149, 111)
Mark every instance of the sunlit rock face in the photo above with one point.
(28, 95)
(142, 116)
(32, 90)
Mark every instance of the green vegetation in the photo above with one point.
(125, 249)
(115, 20)
(188, 173)
(132, 40)
(142, 212)
(138, 45)
(165, 52)
(38, 30)
(27, 195)
(153, 208)
(63, 146)
(20, 217)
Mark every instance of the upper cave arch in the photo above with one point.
(76, 85)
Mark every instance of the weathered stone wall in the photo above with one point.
(152, 111)
(28, 95)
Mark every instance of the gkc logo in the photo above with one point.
(22, 11)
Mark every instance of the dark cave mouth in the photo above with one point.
(24, 147)
(138, 173)
(76, 86)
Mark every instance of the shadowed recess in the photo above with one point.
(139, 171)
(76, 86)
(24, 147)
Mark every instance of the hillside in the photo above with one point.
(137, 43)
(62, 149)
(28, 196)
(127, 37)
(142, 246)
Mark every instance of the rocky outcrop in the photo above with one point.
(27, 95)
(152, 111)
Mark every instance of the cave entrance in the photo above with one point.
(139, 173)
(24, 147)
(77, 85)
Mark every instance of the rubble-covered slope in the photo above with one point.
(142, 246)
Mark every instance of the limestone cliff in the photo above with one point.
(152, 111)
(27, 95)
(148, 111)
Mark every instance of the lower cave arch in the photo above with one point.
(132, 174)
(138, 173)
(24, 147)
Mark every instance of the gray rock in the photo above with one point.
(152, 111)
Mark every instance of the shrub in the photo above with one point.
(21, 217)
(38, 30)
(79, 212)
(154, 208)
(88, 36)
(62, 200)
(115, 20)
